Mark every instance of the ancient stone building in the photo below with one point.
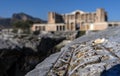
(77, 20)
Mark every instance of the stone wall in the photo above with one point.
(77, 20)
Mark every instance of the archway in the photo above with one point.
(77, 15)
(72, 26)
(77, 26)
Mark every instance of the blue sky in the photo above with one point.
(40, 8)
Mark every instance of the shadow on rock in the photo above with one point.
(114, 71)
(47, 44)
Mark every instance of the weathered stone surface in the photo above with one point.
(42, 68)
(82, 58)
(20, 53)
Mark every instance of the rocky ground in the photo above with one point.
(94, 54)
(20, 53)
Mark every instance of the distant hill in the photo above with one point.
(7, 22)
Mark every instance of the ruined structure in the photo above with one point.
(77, 20)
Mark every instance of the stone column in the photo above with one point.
(58, 28)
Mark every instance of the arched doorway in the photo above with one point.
(72, 26)
(77, 26)
(77, 15)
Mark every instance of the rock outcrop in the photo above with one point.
(7, 22)
(20, 54)
(47, 44)
(95, 54)
(25, 17)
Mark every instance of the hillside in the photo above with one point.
(7, 22)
